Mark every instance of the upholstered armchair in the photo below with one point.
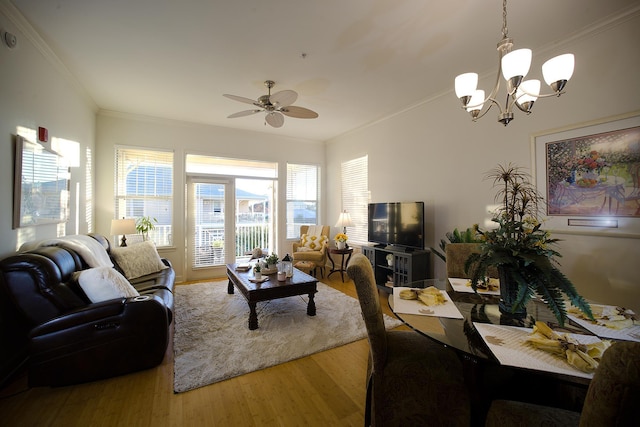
(313, 246)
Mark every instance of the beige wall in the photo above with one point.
(35, 90)
(434, 153)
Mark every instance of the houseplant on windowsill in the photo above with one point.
(144, 225)
(521, 251)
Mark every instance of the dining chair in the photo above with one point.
(411, 380)
(612, 400)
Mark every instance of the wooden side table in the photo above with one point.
(343, 262)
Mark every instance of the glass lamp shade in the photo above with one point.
(466, 84)
(559, 68)
(477, 101)
(528, 91)
(516, 63)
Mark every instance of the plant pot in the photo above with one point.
(341, 245)
(509, 295)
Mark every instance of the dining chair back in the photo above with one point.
(411, 380)
(613, 397)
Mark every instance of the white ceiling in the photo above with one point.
(365, 59)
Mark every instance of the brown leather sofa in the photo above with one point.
(50, 328)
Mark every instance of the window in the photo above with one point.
(355, 196)
(303, 187)
(144, 187)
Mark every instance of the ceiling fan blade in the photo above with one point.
(243, 113)
(283, 98)
(299, 112)
(242, 99)
(275, 119)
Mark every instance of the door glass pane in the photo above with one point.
(254, 216)
(208, 219)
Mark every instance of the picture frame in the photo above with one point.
(589, 176)
(41, 185)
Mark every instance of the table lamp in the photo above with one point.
(121, 227)
(344, 221)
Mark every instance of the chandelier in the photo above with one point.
(514, 66)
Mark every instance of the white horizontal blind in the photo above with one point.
(355, 196)
(303, 187)
(144, 187)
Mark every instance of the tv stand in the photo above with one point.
(405, 266)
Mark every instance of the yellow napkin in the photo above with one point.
(607, 315)
(584, 357)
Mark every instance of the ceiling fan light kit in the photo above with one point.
(513, 65)
(275, 106)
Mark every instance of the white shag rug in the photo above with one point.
(212, 341)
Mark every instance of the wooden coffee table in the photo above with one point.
(299, 284)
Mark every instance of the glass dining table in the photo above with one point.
(486, 378)
(462, 335)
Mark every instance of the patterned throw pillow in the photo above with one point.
(313, 242)
(138, 260)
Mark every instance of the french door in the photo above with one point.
(211, 225)
(227, 217)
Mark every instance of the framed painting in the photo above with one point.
(589, 176)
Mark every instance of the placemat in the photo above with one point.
(448, 309)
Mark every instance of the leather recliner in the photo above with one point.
(49, 326)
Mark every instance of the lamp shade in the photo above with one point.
(516, 63)
(344, 220)
(528, 91)
(466, 84)
(477, 101)
(123, 226)
(558, 68)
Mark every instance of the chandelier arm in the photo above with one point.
(485, 110)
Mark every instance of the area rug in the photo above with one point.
(212, 341)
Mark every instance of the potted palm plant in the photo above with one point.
(521, 251)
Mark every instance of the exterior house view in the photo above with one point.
(166, 111)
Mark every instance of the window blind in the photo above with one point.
(355, 196)
(144, 187)
(303, 187)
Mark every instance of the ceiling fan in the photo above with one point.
(275, 106)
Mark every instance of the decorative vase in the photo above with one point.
(340, 245)
(509, 295)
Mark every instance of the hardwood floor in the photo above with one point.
(326, 388)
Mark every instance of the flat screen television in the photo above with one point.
(398, 224)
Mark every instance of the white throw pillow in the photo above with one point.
(105, 283)
(138, 260)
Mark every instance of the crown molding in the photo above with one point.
(16, 18)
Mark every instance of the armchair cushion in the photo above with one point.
(138, 260)
(312, 242)
(104, 283)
